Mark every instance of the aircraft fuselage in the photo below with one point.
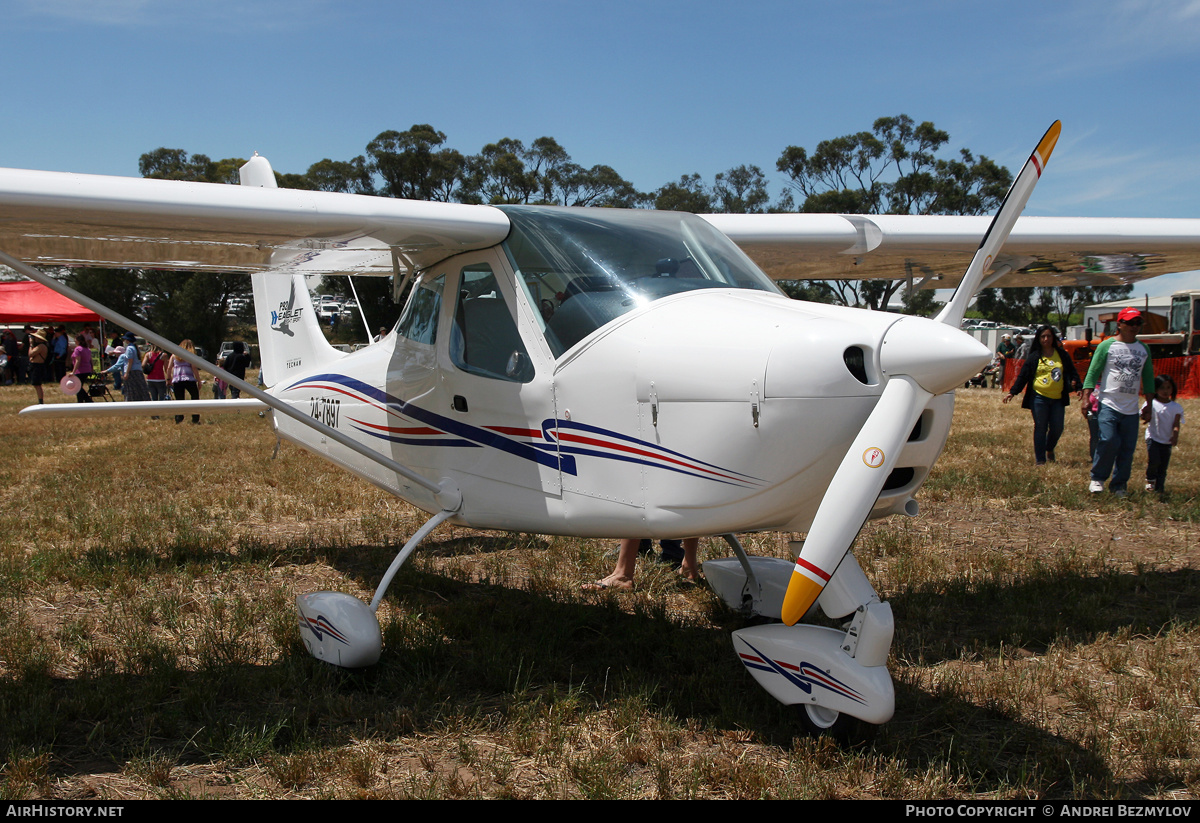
(698, 408)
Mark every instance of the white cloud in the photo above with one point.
(1096, 35)
(1099, 172)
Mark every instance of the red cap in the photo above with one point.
(1129, 314)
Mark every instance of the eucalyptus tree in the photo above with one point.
(741, 190)
(409, 164)
(689, 194)
(892, 169)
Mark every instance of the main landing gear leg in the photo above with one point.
(339, 628)
(754, 586)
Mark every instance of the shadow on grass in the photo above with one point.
(935, 623)
(467, 656)
(984, 750)
(482, 544)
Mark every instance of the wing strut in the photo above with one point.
(448, 495)
(361, 313)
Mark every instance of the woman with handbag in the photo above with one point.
(81, 367)
(1048, 377)
(182, 377)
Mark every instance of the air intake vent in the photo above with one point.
(856, 363)
(921, 429)
(901, 476)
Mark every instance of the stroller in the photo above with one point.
(97, 387)
(990, 372)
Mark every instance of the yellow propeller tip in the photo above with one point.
(802, 592)
(1047, 144)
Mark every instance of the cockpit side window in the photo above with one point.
(484, 339)
(419, 321)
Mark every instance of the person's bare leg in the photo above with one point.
(622, 573)
(690, 569)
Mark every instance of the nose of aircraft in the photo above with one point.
(939, 357)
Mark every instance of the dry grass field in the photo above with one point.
(1047, 642)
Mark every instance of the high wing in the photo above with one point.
(60, 219)
(935, 250)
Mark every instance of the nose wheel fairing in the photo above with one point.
(828, 671)
(805, 665)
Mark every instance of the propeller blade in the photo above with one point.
(1002, 225)
(918, 366)
(853, 491)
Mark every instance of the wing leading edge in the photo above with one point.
(1041, 251)
(54, 218)
(60, 219)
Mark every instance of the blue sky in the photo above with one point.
(656, 88)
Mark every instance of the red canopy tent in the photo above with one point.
(25, 301)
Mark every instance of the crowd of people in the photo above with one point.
(46, 355)
(48, 348)
(139, 373)
(1120, 373)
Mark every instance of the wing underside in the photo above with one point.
(935, 250)
(58, 219)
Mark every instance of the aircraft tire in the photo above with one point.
(822, 722)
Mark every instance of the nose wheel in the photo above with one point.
(820, 721)
(837, 678)
(820, 718)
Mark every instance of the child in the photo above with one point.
(1162, 432)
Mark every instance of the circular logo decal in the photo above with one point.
(873, 457)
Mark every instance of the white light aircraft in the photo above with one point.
(604, 373)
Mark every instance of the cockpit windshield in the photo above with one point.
(582, 268)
